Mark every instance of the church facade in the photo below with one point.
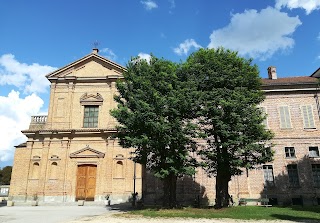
(71, 153)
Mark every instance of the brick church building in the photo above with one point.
(70, 154)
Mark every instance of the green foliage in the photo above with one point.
(229, 116)
(153, 113)
(5, 175)
(215, 95)
(295, 213)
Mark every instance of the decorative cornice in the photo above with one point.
(91, 99)
(70, 131)
(119, 157)
(36, 158)
(54, 158)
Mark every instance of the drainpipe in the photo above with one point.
(317, 100)
(134, 197)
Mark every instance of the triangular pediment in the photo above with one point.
(87, 152)
(90, 66)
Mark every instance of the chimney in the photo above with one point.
(95, 50)
(272, 72)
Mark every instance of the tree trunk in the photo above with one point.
(223, 176)
(222, 189)
(169, 191)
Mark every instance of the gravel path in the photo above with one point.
(110, 217)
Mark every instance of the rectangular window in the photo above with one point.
(290, 152)
(268, 175)
(307, 114)
(264, 113)
(316, 174)
(90, 119)
(285, 121)
(293, 175)
(313, 151)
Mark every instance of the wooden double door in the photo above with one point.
(86, 182)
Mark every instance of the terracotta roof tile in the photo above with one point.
(290, 81)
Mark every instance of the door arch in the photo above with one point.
(86, 182)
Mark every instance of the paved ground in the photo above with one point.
(48, 214)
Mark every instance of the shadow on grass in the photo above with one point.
(314, 209)
(295, 218)
(296, 214)
(127, 207)
(123, 207)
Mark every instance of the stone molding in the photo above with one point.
(96, 153)
(91, 99)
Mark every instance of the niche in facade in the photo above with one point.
(35, 170)
(53, 170)
(119, 169)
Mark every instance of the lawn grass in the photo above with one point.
(295, 213)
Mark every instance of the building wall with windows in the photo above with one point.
(71, 153)
(292, 110)
(293, 177)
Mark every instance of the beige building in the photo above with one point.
(71, 154)
(292, 108)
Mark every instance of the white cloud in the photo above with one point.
(308, 5)
(172, 4)
(29, 78)
(145, 56)
(318, 37)
(186, 46)
(108, 53)
(257, 34)
(15, 115)
(149, 4)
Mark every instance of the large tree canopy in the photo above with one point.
(230, 89)
(153, 114)
(5, 175)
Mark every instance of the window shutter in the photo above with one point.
(307, 115)
(264, 112)
(285, 117)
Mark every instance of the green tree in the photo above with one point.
(5, 175)
(153, 113)
(230, 117)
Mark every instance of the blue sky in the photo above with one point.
(37, 37)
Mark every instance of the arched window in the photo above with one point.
(53, 170)
(119, 169)
(35, 170)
